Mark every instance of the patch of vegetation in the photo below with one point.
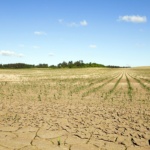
(116, 84)
(129, 88)
(141, 83)
(97, 88)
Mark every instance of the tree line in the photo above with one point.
(77, 64)
(110, 66)
(64, 64)
(22, 66)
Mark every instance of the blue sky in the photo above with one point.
(110, 32)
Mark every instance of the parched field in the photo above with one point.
(75, 109)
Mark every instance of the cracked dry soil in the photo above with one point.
(68, 126)
(96, 122)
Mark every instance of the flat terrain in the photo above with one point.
(75, 109)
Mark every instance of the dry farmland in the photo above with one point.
(75, 109)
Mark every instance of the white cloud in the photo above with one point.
(134, 19)
(83, 23)
(73, 24)
(40, 33)
(51, 54)
(36, 47)
(93, 46)
(10, 53)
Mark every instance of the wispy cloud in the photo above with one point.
(40, 33)
(83, 23)
(10, 53)
(93, 46)
(133, 19)
(73, 24)
(60, 20)
(50, 54)
(36, 47)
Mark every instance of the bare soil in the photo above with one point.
(74, 109)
